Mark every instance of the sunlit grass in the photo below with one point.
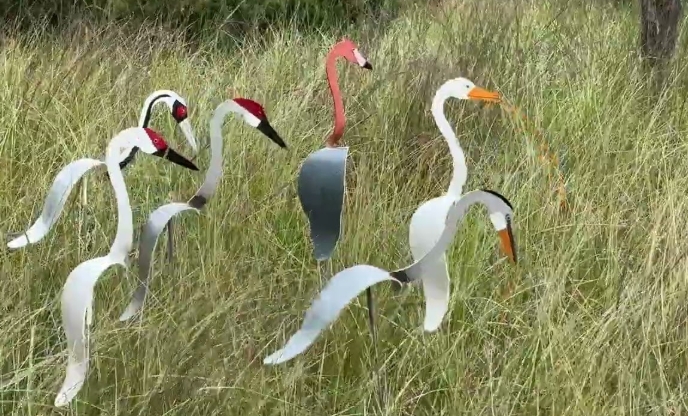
(595, 323)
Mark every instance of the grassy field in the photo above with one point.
(596, 321)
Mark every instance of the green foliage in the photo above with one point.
(195, 15)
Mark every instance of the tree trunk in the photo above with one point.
(659, 30)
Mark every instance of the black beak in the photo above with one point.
(368, 65)
(176, 158)
(265, 128)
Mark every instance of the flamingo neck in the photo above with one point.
(124, 239)
(332, 80)
(460, 173)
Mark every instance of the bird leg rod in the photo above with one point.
(326, 273)
(170, 241)
(84, 191)
(371, 314)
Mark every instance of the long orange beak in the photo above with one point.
(478, 93)
(506, 238)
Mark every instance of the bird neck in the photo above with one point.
(332, 80)
(453, 220)
(124, 238)
(214, 172)
(460, 173)
(149, 105)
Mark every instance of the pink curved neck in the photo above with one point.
(332, 80)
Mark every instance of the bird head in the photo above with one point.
(178, 109)
(501, 213)
(349, 51)
(254, 115)
(464, 89)
(152, 143)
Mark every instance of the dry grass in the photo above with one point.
(595, 324)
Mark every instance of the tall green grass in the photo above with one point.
(595, 323)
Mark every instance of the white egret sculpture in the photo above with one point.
(349, 283)
(428, 222)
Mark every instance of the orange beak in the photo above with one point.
(478, 93)
(506, 238)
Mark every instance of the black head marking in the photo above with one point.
(500, 196)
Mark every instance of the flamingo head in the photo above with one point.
(152, 143)
(254, 115)
(349, 51)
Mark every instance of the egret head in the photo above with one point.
(464, 89)
(501, 213)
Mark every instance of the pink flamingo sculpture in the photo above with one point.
(321, 181)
